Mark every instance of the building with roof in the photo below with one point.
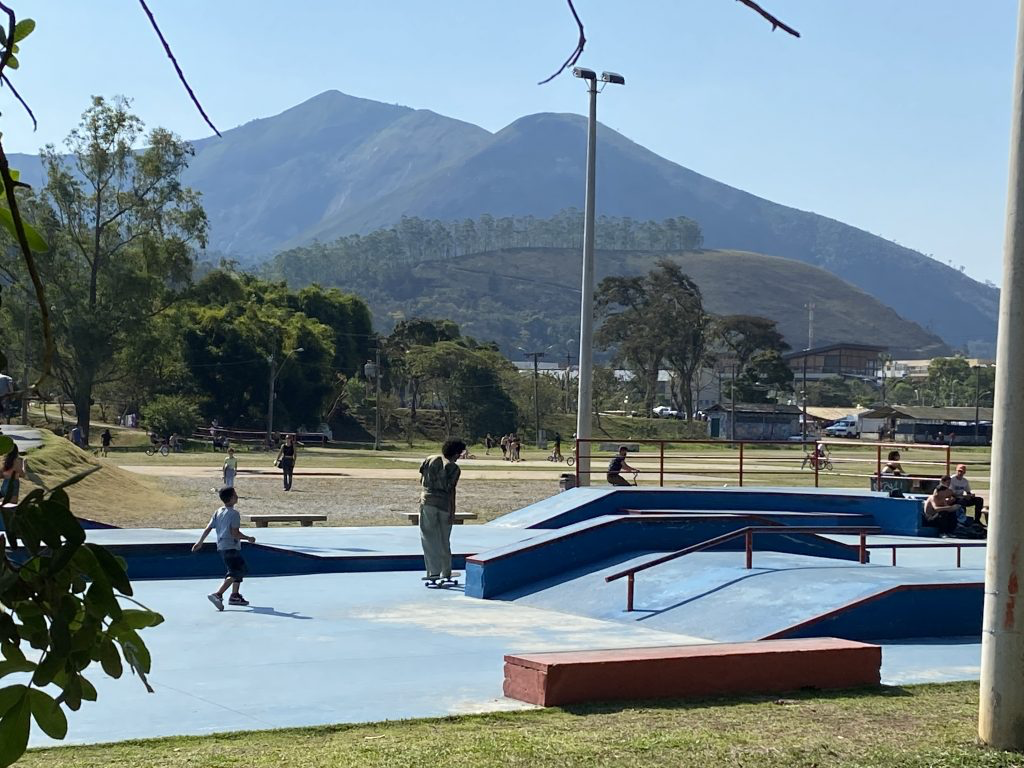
(753, 421)
(836, 361)
(931, 424)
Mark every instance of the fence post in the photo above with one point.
(814, 463)
(661, 465)
(949, 451)
(957, 555)
(629, 592)
(864, 548)
(878, 467)
(576, 451)
(749, 537)
(894, 556)
(741, 468)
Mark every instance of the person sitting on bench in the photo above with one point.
(893, 467)
(961, 488)
(616, 465)
(941, 510)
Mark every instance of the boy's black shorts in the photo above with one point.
(235, 564)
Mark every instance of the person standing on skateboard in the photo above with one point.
(438, 477)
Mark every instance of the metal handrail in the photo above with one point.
(748, 533)
(929, 545)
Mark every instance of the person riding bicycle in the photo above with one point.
(616, 465)
(556, 454)
(817, 458)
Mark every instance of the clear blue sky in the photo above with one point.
(889, 115)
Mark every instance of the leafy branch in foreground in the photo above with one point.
(59, 614)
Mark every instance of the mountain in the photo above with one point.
(336, 165)
(529, 297)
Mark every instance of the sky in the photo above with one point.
(889, 115)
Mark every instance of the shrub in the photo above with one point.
(169, 414)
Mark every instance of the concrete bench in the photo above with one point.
(460, 517)
(715, 669)
(261, 521)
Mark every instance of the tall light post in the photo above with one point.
(1001, 694)
(586, 372)
(536, 390)
(373, 369)
(274, 373)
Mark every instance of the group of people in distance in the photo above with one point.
(439, 476)
(510, 446)
(946, 508)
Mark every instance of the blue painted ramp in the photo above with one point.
(894, 516)
(552, 554)
(712, 595)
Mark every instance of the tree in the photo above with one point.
(171, 414)
(122, 230)
(745, 335)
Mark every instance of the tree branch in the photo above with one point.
(577, 51)
(174, 61)
(775, 22)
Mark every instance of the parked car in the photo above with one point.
(664, 412)
(843, 428)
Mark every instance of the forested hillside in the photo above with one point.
(336, 165)
(529, 295)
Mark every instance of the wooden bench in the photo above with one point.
(460, 517)
(714, 669)
(306, 521)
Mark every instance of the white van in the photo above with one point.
(843, 428)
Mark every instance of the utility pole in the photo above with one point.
(1001, 710)
(810, 325)
(732, 400)
(270, 402)
(536, 394)
(376, 415)
(803, 393)
(568, 368)
(584, 401)
(977, 399)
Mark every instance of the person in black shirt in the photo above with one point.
(286, 461)
(616, 465)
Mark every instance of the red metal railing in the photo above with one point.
(748, 534)
(959, 545)
(749, 461)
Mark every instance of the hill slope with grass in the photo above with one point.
(108, 494)
(530, 297)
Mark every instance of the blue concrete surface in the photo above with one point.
(711, 594)
(337, 648)
(896, 516)
(549, 554)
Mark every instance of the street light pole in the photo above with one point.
(274, 373)
(586, 372)
(536, 392)
(1001, 709)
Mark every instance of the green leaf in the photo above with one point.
(88, 690)
(48, 714)
(23, 29)
(13, 62)
(6, 443)
(10, 696)
(15, 665)
(113, 568)
(135, 619)
(35, 241)
(15, 174)
(14, 732)
(48, 668)
(110, 659)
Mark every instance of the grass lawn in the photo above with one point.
(916, 726)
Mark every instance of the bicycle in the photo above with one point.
(163, 449)
(823, 461)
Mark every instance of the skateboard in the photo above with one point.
(440, 583)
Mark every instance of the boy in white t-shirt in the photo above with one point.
(226, 522)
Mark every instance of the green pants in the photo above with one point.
(435, 536)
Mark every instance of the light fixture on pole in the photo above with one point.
(586, 358)
(372, 369)
(274, 373)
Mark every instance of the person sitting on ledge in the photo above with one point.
(961, 488)
(893, 467)
(941, 510)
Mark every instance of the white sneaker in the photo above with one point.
(217, 601)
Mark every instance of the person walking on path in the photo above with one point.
(504, 448)
(286, 461)
(12, 472)
(488, 444)
(226, 522)
(230, 469)
(438, 477)
(105, 440)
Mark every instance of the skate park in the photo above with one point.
(340, 628)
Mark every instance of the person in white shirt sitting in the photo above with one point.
(961, 488)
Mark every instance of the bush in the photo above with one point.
(169, 414)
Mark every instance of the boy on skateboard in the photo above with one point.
(438, 477)
(226, 522)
